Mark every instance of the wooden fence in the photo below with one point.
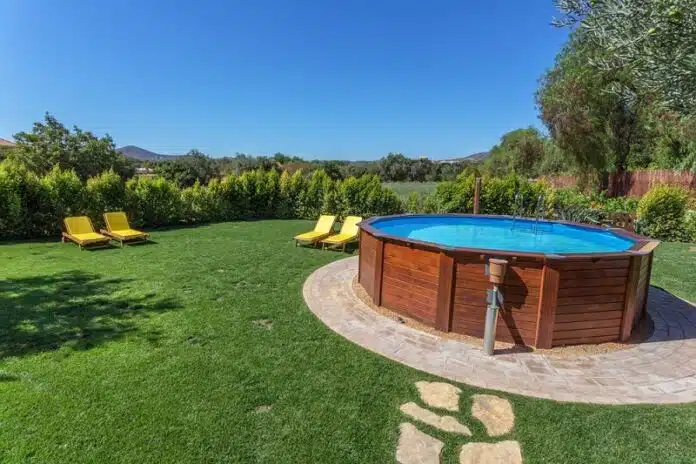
(636, 183)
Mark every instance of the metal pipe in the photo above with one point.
(491, 322)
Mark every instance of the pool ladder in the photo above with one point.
(518, 210)
(518, 207)
(539, 212)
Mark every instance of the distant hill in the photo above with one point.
(475, 157)
(131, 151)
(478, 156)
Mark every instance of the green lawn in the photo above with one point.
(403, 189)
(151, 354)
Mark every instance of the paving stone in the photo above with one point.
(444, 423)
(416, 447)
(495, 413)
(504, 452)
(661, 370)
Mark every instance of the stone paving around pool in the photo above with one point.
(660, 370)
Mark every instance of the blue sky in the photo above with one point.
(321, 79)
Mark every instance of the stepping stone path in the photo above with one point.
(495, 413)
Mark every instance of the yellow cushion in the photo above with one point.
(128, 233)
(90, 237)
(340, 238)
(350, 225)
(78, 225)
(311, 236)
(116, 221)
(325, 224)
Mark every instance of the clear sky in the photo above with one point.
(349, 79)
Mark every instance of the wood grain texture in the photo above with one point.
(517, 319)
(378, 273)
(410, 282)
(634, 295)
(546, 311)
(445, 293)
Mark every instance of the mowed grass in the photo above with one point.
(404, 189)
(152, 354)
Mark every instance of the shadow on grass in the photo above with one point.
(76, 309)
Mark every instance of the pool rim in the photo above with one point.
(642, 245)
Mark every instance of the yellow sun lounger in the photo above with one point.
(349, 233)
(117, 228)
(323, 229)
(79, 229)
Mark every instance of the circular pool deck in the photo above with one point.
(661, 370)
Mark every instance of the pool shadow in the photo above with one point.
(668, 318)
(76, 309)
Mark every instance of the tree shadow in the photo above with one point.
(76, 309)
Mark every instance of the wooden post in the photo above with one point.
(546, 314)
(445, 291)
(477, 195)
(631, 297)
(379, 267)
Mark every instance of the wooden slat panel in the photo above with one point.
(503, 332)
(567, 282)
(588, 291)
(407, 294)
(590, 308)
(582, 325)
(478, 315)
(593, 316)
(581, 300)
(445, 293)
(409, 275)
(567, 334)
(571, 276)
(394, 252)
(611, 263)
(397, 286)
(589, 340)
(404, 304)
(402, 273)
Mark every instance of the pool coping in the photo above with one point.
(642, 246)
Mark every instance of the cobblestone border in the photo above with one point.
(661, 370)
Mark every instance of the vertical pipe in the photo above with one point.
(491, 322)
(477, 195)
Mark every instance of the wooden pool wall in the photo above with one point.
(549, 300)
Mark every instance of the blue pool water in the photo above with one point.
(499, 234)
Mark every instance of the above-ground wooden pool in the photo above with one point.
(566, 283)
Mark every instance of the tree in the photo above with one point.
(653, 41)
(51, 144)
(598, 130)
(394, 168)
(520, 151)
(186, 170)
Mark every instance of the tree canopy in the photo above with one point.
(652, 41)
(51, 144)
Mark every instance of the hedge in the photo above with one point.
(33, 206)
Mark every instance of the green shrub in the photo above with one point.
(661, 213)
(690, 225)
(414, 203)
(11, 204)
(311, 199)
(105, 192)
(153, 202)
(365, 196)
(65, 195)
